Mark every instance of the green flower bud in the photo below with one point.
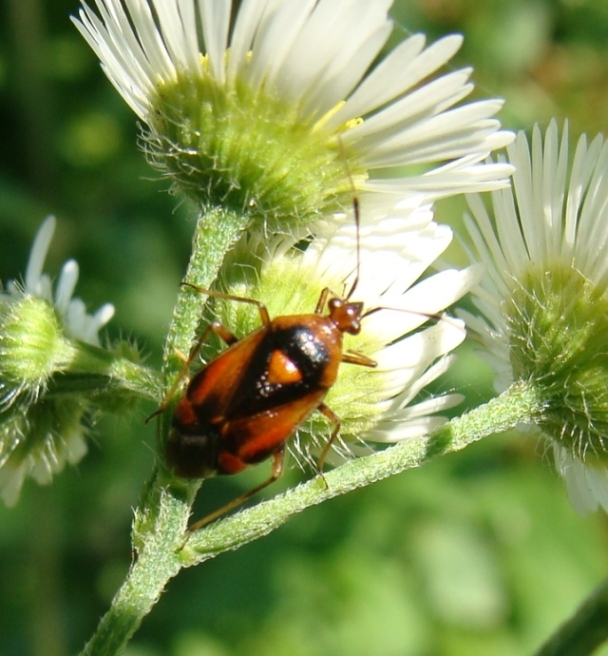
(54, 374)
(32, 346)
(228, 146)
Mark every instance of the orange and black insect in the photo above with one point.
(242, 407)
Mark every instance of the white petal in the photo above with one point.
(400, 71)
(66, 285)
(333, 66)
(444, 181)
(98, 321)
(414, 108)
(215, 21)
(38, 253)
(177, 28)
(248, 20)
(580, 490)
(275, 37)
(404, 429)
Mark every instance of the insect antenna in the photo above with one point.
(357, 216)
(438, 318)
(357, 213)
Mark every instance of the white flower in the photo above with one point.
(286, 91)
(39, 434)
(77, 324)
(387, 403)
(544, 298)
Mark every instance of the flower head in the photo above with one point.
(386, 403)
(39, 336)
(545, 296)
(38, 326)
(71, 311)
(265, 108)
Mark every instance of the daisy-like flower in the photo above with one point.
(36, 322)
(544, 299)
(71, 311)
(386, 403)
(37, 332)
(267, 107)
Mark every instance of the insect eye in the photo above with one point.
(354, 328)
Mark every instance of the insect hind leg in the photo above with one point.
(278, 461)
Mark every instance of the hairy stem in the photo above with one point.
(519, 404)
(162, 546)
(158, 533)
(162, 517)
(216, 232)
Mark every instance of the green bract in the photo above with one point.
(558, 324)
(32, 346)
(228, 146)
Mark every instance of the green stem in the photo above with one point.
(519, 404)
(162, 517)
(216, 232)
(156, 559)
(584, 631)
(120, 375)
(163, 548)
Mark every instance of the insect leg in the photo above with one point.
(335, 420)
(353, 357)
(214, 327)
(278, 460)
(264, 316)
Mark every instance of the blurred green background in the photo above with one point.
(476, 553)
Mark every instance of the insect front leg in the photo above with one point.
(278, 461)
(354, 357)
(264, 316)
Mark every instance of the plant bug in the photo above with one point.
(243, 406)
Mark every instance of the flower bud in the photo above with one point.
(53, 372)
(32, 346)
(558, 323)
